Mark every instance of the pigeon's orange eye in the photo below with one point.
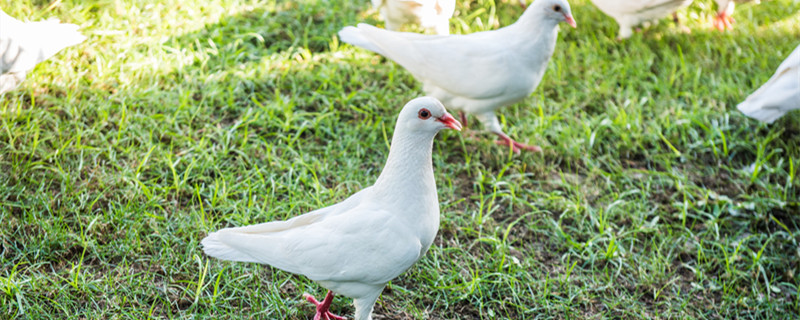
(424, 114)
(557, 8)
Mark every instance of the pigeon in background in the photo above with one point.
(25, 44)
(432, 15)
(630, 13)
(480, 72)
(356, 246)
(779, 95)
(724, 18)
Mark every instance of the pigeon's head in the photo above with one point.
(426, 114)
(557, 10)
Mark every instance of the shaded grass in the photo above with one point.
(654, 197)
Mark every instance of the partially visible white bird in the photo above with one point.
(25, 44)
(480, 72)
(724, 18)
(779, 95)
(630, 13)
(432, 15)
(358, 245)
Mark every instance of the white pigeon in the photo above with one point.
(358, 245)
(724, 18)
(431, 15)
(480, 72)
(630, 13)
(25, 44)
(779, 95)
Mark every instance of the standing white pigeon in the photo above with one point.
(432, 15)
(724, 18)
(358, 245)
(24, 44)
(779, 95)
(480, 72)
(630, 13)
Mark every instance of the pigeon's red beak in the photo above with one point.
(450, 122)
(571, 21)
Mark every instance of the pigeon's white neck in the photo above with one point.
(535, 21)
(406, 185)
(409, 168)
(535, 33)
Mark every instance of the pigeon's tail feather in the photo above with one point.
(27, 43)
(215, 247)
(56, 36)
(354, 36)
(779, 95)
(758, 112)
(234, 245)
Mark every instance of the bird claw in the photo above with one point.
(322, 307)
(328, 316)
(723, 22)
(516, 146)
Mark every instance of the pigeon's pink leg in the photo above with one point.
(516, 146)
(322, 307)
(723, 21)
(463, 117)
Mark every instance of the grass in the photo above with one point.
(654, 197)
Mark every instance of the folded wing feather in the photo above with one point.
(311, 244)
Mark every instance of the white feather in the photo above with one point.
(358, 245)
(433, 15)
(353, 36)
(779, 95)
(477, 73)
(724, 18)
(630, 13)
(727, 6)
(25, 44)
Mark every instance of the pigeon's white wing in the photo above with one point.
(779, 95)
(213, 247)
(364, 245)
(377, 246)
(307, 218)
(429, 58)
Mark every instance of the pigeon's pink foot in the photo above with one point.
(516, 146)
(322, 307)
(723, 21)
(463, 117)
